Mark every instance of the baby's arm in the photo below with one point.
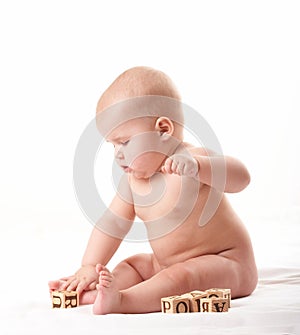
(230, 175)
(105, 239)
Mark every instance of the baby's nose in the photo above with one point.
(118, 152)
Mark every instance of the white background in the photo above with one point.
(236, 62)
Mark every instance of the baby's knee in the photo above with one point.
(181, 276)
(248, 281)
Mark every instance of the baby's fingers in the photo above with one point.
(73, 285)
(91, 287)
(167, 168)
(68, 281)
(84, 285)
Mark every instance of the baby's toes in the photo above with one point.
(105, 278)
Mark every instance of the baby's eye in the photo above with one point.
(125, 142)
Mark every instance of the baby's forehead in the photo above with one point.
(132, 127)
(137, 110)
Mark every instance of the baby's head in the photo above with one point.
(135, 82)
(142, 106)
(144, 81)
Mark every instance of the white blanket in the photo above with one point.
(30, 258)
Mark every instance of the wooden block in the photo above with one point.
(220, 305)
(227, 295)
(205, 305)
(197, 292)
(65, 299)
(217, 305)
(215, 293)
(175, 304)
(195, 299)
(220, 293)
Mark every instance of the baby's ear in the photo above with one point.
(164, 125)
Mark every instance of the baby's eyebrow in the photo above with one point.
(114, 139)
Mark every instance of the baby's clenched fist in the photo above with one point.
(183, 165)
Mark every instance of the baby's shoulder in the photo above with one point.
(193, 150)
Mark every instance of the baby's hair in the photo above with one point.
(138, 81)
(155, 94)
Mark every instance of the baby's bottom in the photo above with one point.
(136, 285)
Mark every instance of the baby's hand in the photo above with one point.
(183, 165)
(86, 278)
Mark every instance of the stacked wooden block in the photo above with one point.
(212, 300)
(65, 299)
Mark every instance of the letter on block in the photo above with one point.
(227, 295)
(214, 305)
(175, 304)
(215, 293)
(219, 293)
(195, 299)
(65, 299)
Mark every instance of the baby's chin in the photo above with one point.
(142, 174)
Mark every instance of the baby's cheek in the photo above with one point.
(148, 162)
(142, 148)
(141, 160)
(133, 154)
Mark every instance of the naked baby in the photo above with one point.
(178, 191)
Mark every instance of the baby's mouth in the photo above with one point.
(126, 168)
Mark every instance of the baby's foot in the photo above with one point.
(108, 298)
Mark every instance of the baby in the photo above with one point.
(167, 184)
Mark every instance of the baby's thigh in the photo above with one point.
(210, 271)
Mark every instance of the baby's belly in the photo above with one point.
(175, 230)
(223, 233)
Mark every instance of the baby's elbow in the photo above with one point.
(238, 182)
(245, 179)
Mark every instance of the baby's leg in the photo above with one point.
(195, 274)
(129, 272)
